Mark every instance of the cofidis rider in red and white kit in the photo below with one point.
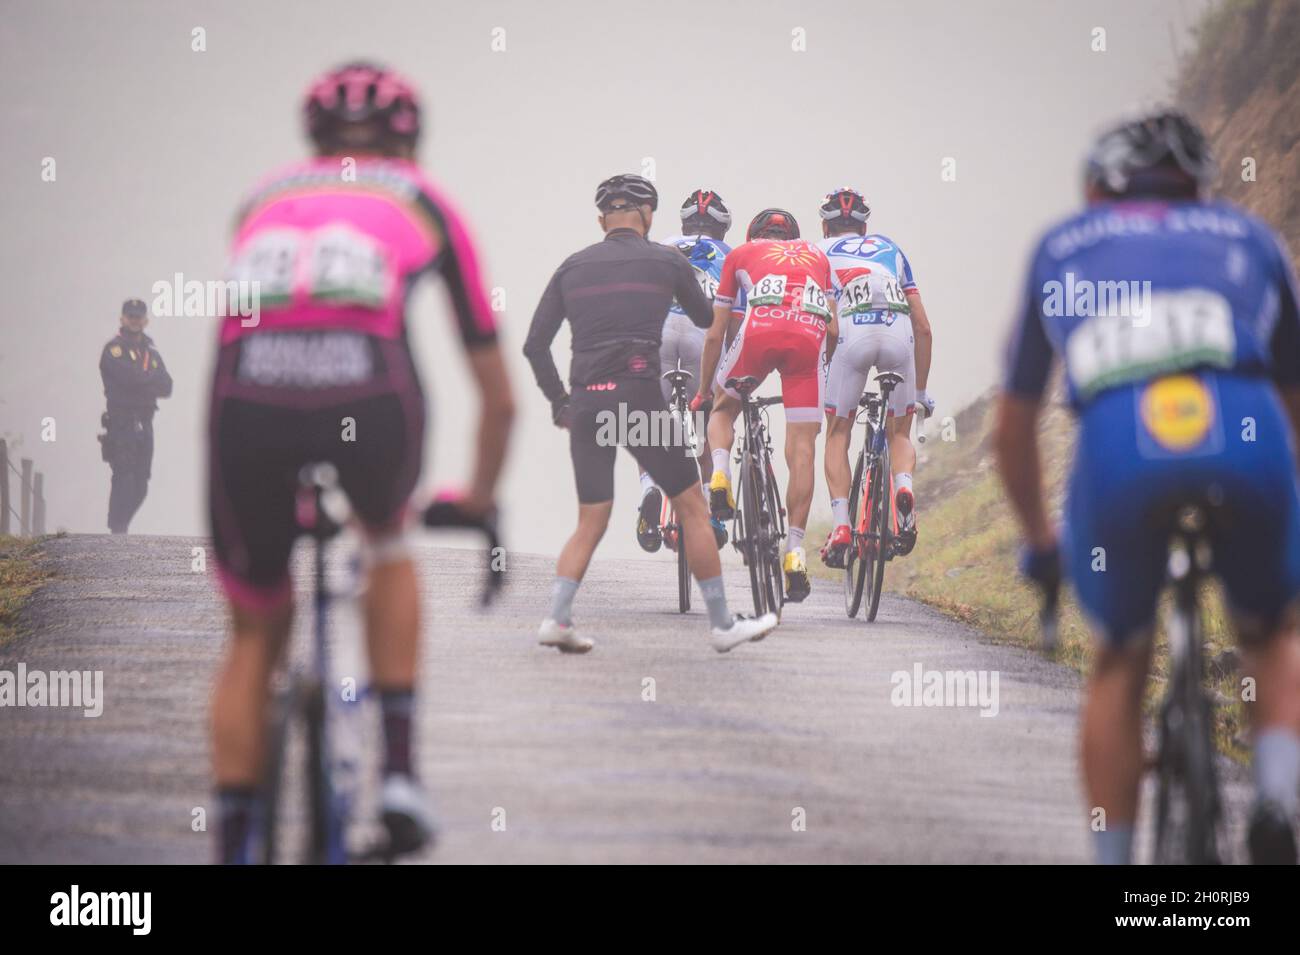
(789, 312)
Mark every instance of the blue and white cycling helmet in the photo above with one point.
(1156, 153)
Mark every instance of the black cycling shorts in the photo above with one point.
(631, 413)
(368, 423)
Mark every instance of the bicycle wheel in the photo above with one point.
(1187, 800)
(683, 572)
(754, 537)
(272, 794)
(320, 796)
(772, 534)
(855, 569)
(879, 539)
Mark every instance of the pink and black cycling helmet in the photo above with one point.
(362, 92)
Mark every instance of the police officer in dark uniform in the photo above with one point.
(134, 379)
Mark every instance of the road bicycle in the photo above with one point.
(1189, 805)
(314, 702)
(759, 523)
(872, 516)
(679, 404)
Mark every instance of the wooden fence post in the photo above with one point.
(38, 504)
(25, 512)
(4, 486)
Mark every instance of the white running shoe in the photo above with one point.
(563, 638)
(407, 814)
(742, 630)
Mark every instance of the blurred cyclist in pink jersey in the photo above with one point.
(323, 373)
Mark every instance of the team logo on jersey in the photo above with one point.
(801, 254)
(116, 351)
(863, 245)
(848, 275)
(1177, 411)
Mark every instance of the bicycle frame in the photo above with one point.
(680, 405)
(871, 502)
(1186, 757)
(311, 691)
(759, 524)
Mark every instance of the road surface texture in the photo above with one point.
(788, 750)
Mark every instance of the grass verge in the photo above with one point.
(966, 557)
(21, 573)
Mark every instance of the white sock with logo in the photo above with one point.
(794, 538)
(722, 461)
(902, 480)
(839, 510)
(647, 482)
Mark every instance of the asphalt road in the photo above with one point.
(788, 750)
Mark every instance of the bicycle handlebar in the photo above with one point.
(448, 514)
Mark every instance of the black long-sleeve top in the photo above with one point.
(616, 295)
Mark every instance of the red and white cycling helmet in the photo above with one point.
(845, 203)
(704, 211)
(772, 224)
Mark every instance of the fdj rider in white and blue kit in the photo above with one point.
(705, 220)
(883, 324)
(1177, 396)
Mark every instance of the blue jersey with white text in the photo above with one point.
(706, 256)
(1128, 291)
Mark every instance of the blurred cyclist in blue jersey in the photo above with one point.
(705, 220)
(1175, 318)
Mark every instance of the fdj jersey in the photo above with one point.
(870, 278)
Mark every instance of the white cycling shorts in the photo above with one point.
(879, 346)
(682, 340)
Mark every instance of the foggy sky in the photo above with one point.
(155, 144)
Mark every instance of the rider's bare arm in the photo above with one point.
(713, 348)
(1016, 444)
(924, 336)
(496, 415)
(832, 330)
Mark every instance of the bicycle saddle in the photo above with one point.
(743, 386)
(889, 378)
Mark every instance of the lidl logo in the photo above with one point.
(1177, 411)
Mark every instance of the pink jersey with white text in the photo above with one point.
(335, 243)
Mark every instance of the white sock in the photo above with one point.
(647, 482)
(793, 539)
(840, 510)
(902, 480)
(722, 461)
